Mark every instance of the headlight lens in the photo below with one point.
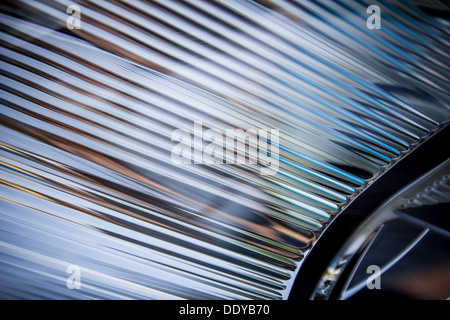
(88, 112)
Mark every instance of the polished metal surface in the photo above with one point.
(87, 117)
(406, 232)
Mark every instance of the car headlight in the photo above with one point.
(97, 95)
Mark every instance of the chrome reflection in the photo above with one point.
(427, 191)
(87, 115)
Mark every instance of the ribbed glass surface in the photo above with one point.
(87, 116)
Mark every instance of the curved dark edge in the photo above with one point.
(423, 158)
(445, 14)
